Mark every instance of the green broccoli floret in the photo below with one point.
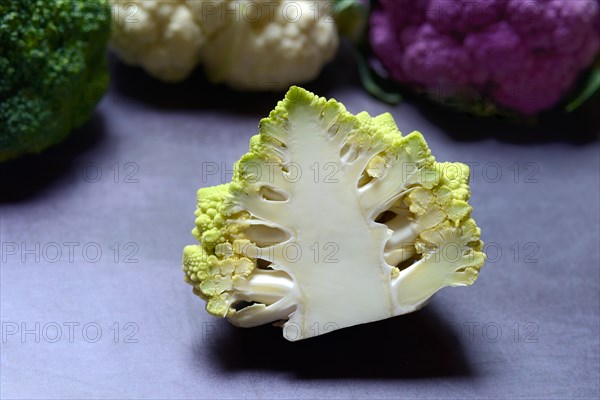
(53, 70)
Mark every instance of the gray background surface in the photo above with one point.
(529, 327)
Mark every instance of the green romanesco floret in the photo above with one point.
(331, 220)
(53, 70)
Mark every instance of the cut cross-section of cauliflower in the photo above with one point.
(331, 220)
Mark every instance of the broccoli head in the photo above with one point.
(53, 70)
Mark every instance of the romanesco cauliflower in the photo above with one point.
(331, 220)
(248, 44)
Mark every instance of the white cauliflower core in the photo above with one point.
(248, 44)
(331, 220)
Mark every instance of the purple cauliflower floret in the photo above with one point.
(522, 55)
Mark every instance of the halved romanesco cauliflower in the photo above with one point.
(331, 220)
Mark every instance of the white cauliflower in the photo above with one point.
(248, 44)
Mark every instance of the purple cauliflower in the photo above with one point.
(522, 55)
